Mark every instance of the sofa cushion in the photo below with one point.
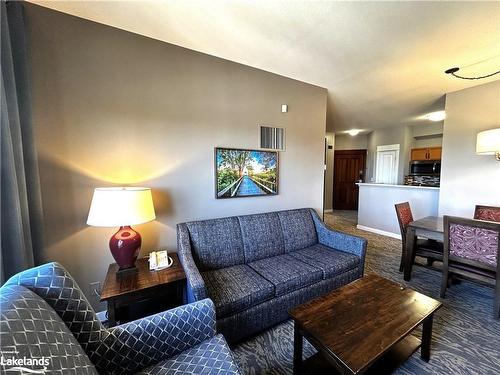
(262, 236)
(216, 243)
(330, 261)
(286, 273)
(298, 229)
(234, 289)
(210, 357)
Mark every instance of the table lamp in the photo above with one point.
(122, 207)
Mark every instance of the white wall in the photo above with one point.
(348, 142)
(114, 108)
(468, 179)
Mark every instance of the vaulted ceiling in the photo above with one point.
(382, 62)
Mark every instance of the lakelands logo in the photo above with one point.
(23, 365)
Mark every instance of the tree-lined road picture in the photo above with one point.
(245, 173)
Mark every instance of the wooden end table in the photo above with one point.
(159, 289)
(363, 327)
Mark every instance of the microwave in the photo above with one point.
(425, 167)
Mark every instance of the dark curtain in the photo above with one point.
(21, 211)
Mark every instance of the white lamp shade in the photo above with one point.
(120, 206)
(488, 142)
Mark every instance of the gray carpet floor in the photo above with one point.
(466, 339)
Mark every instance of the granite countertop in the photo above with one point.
(397, 186)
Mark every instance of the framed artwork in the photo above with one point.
(245, 173)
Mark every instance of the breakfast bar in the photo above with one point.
(376, 205)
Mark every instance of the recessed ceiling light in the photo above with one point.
(436, 116)
(353, 132)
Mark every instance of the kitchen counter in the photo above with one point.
(376, 212)
(398, 186)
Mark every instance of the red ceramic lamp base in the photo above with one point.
(125, 246)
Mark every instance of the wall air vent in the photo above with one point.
(272, 138)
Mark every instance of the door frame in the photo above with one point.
(394, 147)
(363, 152)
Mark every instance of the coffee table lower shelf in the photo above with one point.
(386, 364)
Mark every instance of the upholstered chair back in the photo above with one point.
(475, 241)
(55, 285)
(488, 213)
(60, 291)
(405, 217)
(31, 329)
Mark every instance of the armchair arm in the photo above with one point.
(133, 346)
(339, 240)
(195, 286)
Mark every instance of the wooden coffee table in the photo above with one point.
(363, 327)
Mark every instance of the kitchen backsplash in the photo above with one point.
(422, 180)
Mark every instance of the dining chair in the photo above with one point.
(472, 251)
(429, 249)
(488, 213)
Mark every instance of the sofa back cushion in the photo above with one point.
(262, 236)
(31, 328)
(298, 229)
(216, 243)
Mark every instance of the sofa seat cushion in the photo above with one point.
(286, 273)
(330, 261)
(210, 357)
(234, 289)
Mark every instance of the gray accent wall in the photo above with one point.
(468, 179)
(113, 108)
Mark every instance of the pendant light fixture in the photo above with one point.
(454, 70)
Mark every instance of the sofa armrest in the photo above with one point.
(133, 346)
(195, 285)
(339, 240)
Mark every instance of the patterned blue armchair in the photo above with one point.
(45, 314)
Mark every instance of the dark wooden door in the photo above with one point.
(348, 169)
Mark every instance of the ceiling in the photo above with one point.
(382, 62)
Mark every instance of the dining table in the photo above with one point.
(430, 227)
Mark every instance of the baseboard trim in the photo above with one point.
(379, 231)
(328, 211)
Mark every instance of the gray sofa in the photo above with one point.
(256, 267)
